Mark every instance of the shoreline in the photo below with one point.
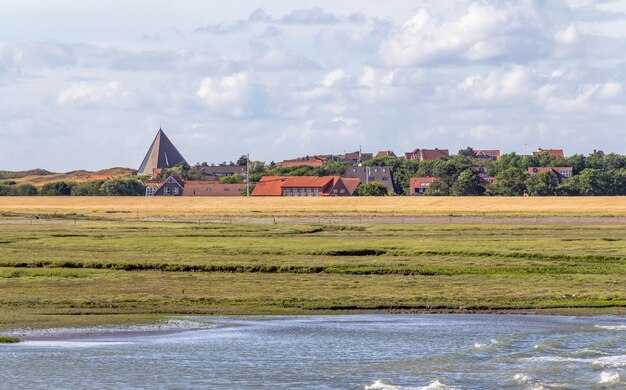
(182, 324)
(165, 323)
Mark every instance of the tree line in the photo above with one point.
(593, 175)
(115, 187)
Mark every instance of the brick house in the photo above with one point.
(311, 161)
(426, 154)
(354, 157)
(371, 174)
(305, 186)
(549, 152)
(172, 186)
(175, 186)
(212, 188)
(214, 172)
(487, 154)
(561, 173)
(419, 185)
(386, 153)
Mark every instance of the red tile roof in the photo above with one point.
(550, 152)
(275, 185)
(211, 188)
(427, 154)
(269, 186)
(314, 161)
(351, 184)
(487, 153)
(422, 182)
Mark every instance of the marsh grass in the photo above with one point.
(111, 272)
(9, 340)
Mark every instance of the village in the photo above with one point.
(165, 172)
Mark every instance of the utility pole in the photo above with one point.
(248, 174)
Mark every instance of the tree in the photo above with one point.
(374, 188)
(242, 161)
(594, 182)
(467, 184)
(233, 179)
(510, 182)
(87, 188)
(58, 188)
(467, 152)
(543, 184)
(122, 187)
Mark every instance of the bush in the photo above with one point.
(59, 188)
(372, 189)
(123, 187)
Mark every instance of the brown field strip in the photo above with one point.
(173, 207)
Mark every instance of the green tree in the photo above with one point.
(467, 152)
(467, 183)
(372, 189)
(543, 184)
(58, 188)
(237, 178)
(123, 187)
(510, 182)
(87, 188)
(594, 182)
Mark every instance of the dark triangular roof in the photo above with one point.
(162, 154)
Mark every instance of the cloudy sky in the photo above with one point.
(85, 84)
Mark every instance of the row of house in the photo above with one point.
(175, 186)
(414, 155)
(163, 154)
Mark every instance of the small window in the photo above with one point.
(384, 170)
(166, 190)
(208, 189)
(342, 191)
(375, 170)
(175, 190)
(226, 189)
(353, 170)
(335, 191)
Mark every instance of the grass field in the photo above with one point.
(60, 273)
(178, 207)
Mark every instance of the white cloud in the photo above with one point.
(232, 95)
(86, 94)
(499, 85)
(426, 38)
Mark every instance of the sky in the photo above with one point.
(86, 84)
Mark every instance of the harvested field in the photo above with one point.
(198, 208)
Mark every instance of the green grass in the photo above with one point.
(104, 272)
(9, 340)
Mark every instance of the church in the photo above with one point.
(161, 155)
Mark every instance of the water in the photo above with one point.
(328, 352)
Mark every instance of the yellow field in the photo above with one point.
(71, 177)
(162, 207)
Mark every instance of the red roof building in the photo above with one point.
(311, 161)
(386, 153)
(561, 173)
(175, 186)
(419, 185)
(487, 154)
(212, 188)
(426, 154)
(550, 152)
(305, 186)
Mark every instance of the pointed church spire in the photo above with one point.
(162, 154)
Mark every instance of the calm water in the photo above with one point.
(329, 352)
